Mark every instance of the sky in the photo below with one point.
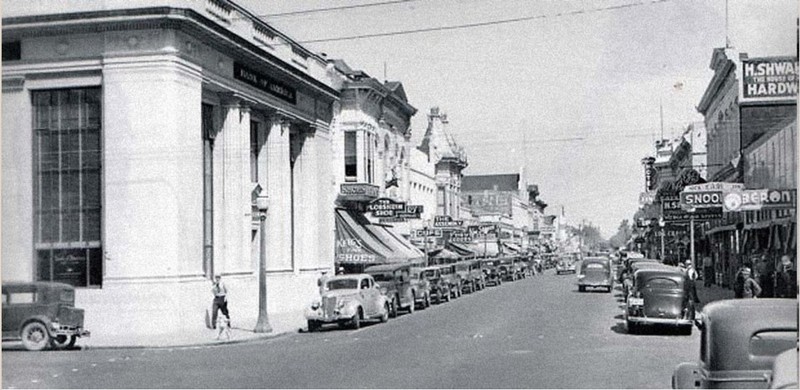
(569, 95)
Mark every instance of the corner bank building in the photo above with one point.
(136, 136)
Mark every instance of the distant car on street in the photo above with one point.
(660, 296)
(740, 342)
(421, 287)
(491, 272)
(41, 314)
(595, 273)
(452, 278)
(348, 300)
(565, 267)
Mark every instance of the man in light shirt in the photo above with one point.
(220, 300)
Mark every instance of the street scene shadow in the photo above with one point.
(653, 330)
(335, 327)
(17, 346)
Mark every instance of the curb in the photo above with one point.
(208, 343)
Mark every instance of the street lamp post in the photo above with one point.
(262, 325)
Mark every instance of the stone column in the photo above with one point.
(279, 216)
(233, 228)
(306, 198)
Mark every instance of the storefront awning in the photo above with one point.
(719, 229)
(512, 248)
(360, 242)
(446, 254)
(460, 249)
(487, 249)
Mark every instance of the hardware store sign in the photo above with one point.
(769, 78)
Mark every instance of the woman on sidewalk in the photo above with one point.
(750, 289)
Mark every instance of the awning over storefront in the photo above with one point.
(360, 242)
(512, 248)
(446, 254)
(462, 250)
(720, 229)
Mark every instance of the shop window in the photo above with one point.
(350, 157)
(67, 185)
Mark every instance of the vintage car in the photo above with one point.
(521, 268)
(660, 296)
(627, 280)
(41, 314)
(491, 272)
(395, 282)
(476, 274)
(462, 269)
(595, 273)
(452, 278)
(421, 287)
(565, 266)
(348, 300)
(439, 287)
(739, 343)
(507, 269)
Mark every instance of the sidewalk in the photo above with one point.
(281, 323)
(712, 293)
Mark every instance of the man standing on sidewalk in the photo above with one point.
(220, 292)
(691, 274)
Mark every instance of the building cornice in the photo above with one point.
(720, 75)
(182, 19)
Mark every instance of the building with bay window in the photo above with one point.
(137, 135)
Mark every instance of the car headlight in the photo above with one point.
(341, 304)
(315, 305)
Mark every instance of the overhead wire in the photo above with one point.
(339, 8)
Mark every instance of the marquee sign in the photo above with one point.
(447, 222)
(385, 208)
(744, 200)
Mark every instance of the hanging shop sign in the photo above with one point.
(460, 237)
(769, 79)
(412, 211)
(650, 173)
(706, 195)
(426, 233)
(359, 191)
(674, 211)
(646, 198)
(745, 200)
(447, 222)
(385, 208)
(548, 229)
(264, 83)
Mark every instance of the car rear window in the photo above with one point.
(661, 283)
(383, 277)
(594, 266)
(771, 343)
(342, 284)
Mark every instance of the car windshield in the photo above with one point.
(343, 284)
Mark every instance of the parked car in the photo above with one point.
(521, 268)
(507, 270)
(462, 269)
(439, 287)
(627, 280)
(476, 274)
(491, 272)
(348, 300)
(421, 287)
(41, 314)
(660, 296)
(452, 278)
(595, 273)
(395, 282)
(740, 341)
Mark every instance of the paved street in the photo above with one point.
(536, 332)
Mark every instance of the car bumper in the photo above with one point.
(66, 330)
(590, 284)
(660, 321)
(337, 316)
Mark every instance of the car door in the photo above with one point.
(367, 301)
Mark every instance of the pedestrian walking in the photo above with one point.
(708, 271)
(691, 275)
(786, 279)
(220, 292)
(750, 288)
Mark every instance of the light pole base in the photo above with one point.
(262, 325)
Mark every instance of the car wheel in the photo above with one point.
(393, 312)
(385, 315)
(355, 323)
(63, 342)
(35, 336)
(313, 326)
